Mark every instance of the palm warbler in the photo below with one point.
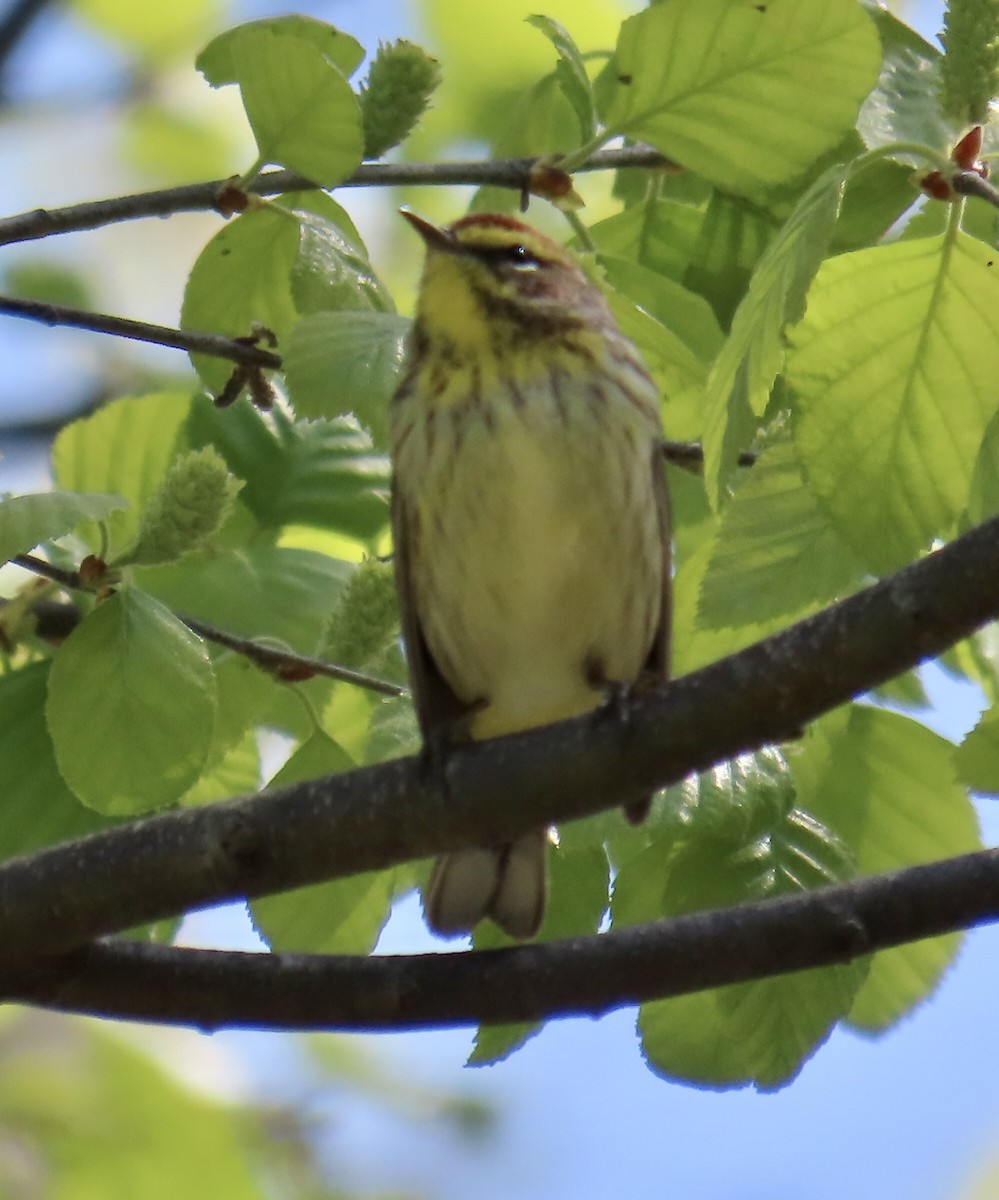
(530, 520)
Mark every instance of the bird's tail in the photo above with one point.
(508, 883)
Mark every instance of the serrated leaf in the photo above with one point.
(125, 447)
(903, 106)
(220, 61)
(346, 362)
(757, 1032)
(321, 473)
(303, 112)
(684, 72)
(886, 785)
(272, 266)
(571, 74)
(775, 553)
(330, 273)
(344, 916)
(25, 521)
(744, 372)
(38, 807)
(976, 760)
(131, 705)
(893, 372)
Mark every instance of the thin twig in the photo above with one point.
(510, 173)
(585, 976)
(284, 664)
(234, 349)
(287, 665)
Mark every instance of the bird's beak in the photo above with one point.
(434, 237)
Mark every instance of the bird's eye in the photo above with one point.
(520, 256)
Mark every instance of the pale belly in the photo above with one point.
(539, 573)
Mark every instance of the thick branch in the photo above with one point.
(511, 173)
(62, 897)
(583, 976)
(236, 349)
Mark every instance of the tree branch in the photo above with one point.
(284, 664)
(510, 173)
(585, 976)
(235, 349)
(62, 897)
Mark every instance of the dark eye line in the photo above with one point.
(516, 255)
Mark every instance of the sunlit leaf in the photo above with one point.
(893, 372)
(746, 95)
(125, 447)
(886, 785)
(25, 521)
(131, 706)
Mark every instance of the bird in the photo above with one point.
(530, 522)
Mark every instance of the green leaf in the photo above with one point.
(41, 279)
(744, 372)
(658, 234)
(303, 112)
(170, 146)
(903, 105)
(236, 773)
(776, 554)
(131, 706)
(25, 521)
(571, 74)
(732, 237)
(983, 497)
(222, 59)
(94, 1098)
(746, 95)
(272, 266)
(156, 32)
(886, 785)
(38, 808)
(674, 330)
(976, 760)
(125, 447)
(346, 362)
(736, 837)
(893, 372)
(344, 916)
(321, 473)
